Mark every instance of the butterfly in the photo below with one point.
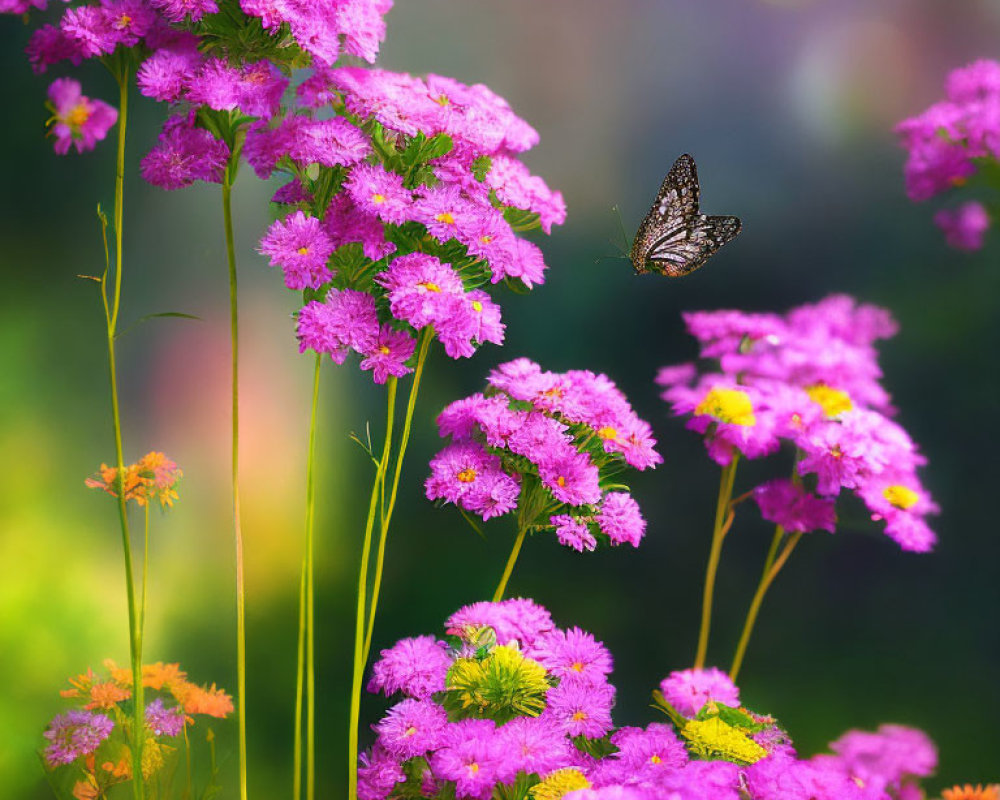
(674, 239)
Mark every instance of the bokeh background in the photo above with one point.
(788, 108)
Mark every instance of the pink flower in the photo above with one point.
(78, 121)
(965, 226)
(388, 354)
(573, 533)
(416, 667)
(184, 154)
(793, 508)
(346, 321)
(581, 707)
(411, 728)
(380, 193)
(688, 690)
(620, 519)
(300, 246)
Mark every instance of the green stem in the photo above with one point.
(718, 534)
(111, 319)
(300, 684)
(359, 628)
(241, 644)
(502, 586)
(145, 574)
(426, 337)
(772, 566)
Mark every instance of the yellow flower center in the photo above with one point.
(467, 475)
(655, 759)
(430, 287)
(473, 768)
(959, 181)
(446, 217)
(77, 116)
(561, 480)
(410, 731)
(477, 306)
(383, 350)
(900, 496)
(728, 405)
(832, 401)
(378, 199)
(579, 716)
(124, 21)
(303, 251)
(442, 99)
(607, 432)
(486, 239)
(577, 667)
(836, 452)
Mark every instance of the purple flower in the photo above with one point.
(345, 224)
(643, 755)
(378, 773)
(388, 354)
(164, 75)
(419, 288)
(346, 321)
(965, 226)
(300, 246)
(415, 667)
(688, 690)
(571, 532)
(75, 734)
(573, 654)
(49, 45)
(164, 721)
(473, 757)
(581, 707)
(184, 154)
(519, 619)
(784, 778)
(571, 477)
(533, 744)
(412, 728)
(181, 10)
(620, 519)
(468, 476)
(77, 121)
(886, 757)
(380, 193)
(793, 508)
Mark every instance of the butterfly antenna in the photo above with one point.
(622, 249)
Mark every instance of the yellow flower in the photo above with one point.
(713, 738)
(901, 497)
(727, 405)
(559, 783)
(832, 401)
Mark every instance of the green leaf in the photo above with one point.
(481, 166)
(598, 748)
(472, 523)
(174, 314)
(520, 789)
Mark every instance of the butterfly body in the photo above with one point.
(675, 238)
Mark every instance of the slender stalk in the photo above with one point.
(426, 337)
(111, 308)
(719, 531)
(502, 586)
(241, 644)
(772, 566)
(359, 628)
(145, 573)
(299, 684)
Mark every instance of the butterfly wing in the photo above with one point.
(674, 239)
(685, 250)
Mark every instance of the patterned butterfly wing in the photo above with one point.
(674, 239)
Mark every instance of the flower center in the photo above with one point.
(303, 251)
(429, 286)
(900, 496)
(467, 475)
(410, 731)
(378, 199)
(384, 350)
(446, 217)
(728, 405)
(473, 768)
(442, 99)
(124, 21)
(486, 239)
(579, 716)
(832, 401)
(577, 666)
(77, 116)
(607, 432)
(655, 759)
(561, 480)
(477, 306)
(836, 452)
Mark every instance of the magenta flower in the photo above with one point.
(472, 758)
(184, 154)
(75, 734)
(573, 654)
(519, 619)
(688, 690)
(573, 533)
(411, 728)
(965, 226)
(887, 757)
(378, 773)
(346, 321)
(165, 74)
(164, 721)
(416, 667)
(620, 519)
(181, 10)
(581, 707)
(77, 121)
(793, 508)
(388, 354)
(379, 192)
(301, 247)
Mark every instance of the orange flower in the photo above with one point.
(970, 792)
(154, 676)
(154, 476)
(200, 700)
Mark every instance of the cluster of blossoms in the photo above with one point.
(152, 477)
(95, 737)
(948, 142)
(809, 378)
(511, 706)
(405, 195)
(548, 444)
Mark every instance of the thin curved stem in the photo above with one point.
(426, 337)
(511, 560)
(241, 643)
(359, 628)
(722, 509)
(772, 566)
(145, 574)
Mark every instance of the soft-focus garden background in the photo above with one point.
(788, 107)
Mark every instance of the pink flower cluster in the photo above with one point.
(548, 442)
(571, 749)
(809, 378)
(945, 141)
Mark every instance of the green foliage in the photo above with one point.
(241, 39)
(498, 684)
(520, 789)
(598, 748)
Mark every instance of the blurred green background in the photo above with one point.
(788, 108)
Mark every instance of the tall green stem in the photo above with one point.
(718, 534)
(426, 337)
(502, 586)
(359, 628)
(306, 673)
(772, 566)
(241, 643)
(111, 319)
